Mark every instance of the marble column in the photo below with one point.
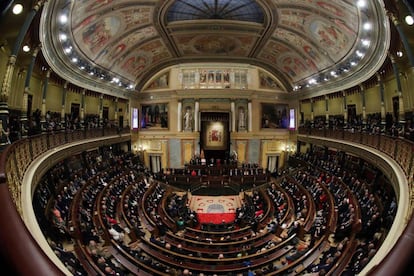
(101, 122)
(401, 111)
(116, 112)
(179, 116)
(249, 117)
(345, 107)
(43, 121)
(233, 116)
(407, 81)
(82, 109)
(197, 116)
(364, 112)
(126, 115)
(63, 110)
(327, 110)
(381, 91)
(24, 126)
(311, 107)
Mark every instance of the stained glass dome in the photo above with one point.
(241, 10)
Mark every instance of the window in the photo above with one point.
(214, 78)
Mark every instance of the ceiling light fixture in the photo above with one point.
(367, 26)
(17, 9)
(359, 54)
(63, 37)
(365, 42)
(63, 19)
(361, 3)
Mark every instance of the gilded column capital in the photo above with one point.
(39, 4)
(378, 76)
(393, 18)
(12, 60)
(27, 90)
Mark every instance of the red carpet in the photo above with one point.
(215, 209)
(216, 218)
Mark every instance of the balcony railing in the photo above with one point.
(16, 158)
(398, 148)
(401, 150)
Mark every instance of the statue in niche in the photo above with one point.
(188, 118)
(242, 119)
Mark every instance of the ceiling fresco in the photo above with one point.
(299, 42)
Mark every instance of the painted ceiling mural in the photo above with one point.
(294, 40)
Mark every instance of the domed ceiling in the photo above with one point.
(309, 46)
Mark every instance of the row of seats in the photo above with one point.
(112, 215)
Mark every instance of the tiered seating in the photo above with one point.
(282, 203)
(314, 219)
(360, 220)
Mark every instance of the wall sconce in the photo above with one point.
(26, 48)
(17, 9)
(409, 20)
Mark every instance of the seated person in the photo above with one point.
(118, 236)
(180, 223)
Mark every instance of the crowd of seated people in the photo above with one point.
(177, 209)
(104, 183)
(130, 204)
(52, 122)
(279, 200)
(251, 210)
(373, 125)
(68, 258)
(300, 200)
(376, 204)
(110, 201)
(321, 204)
(255, 201)
(61, 184)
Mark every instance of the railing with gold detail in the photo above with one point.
(401, 150)
(19, 247)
